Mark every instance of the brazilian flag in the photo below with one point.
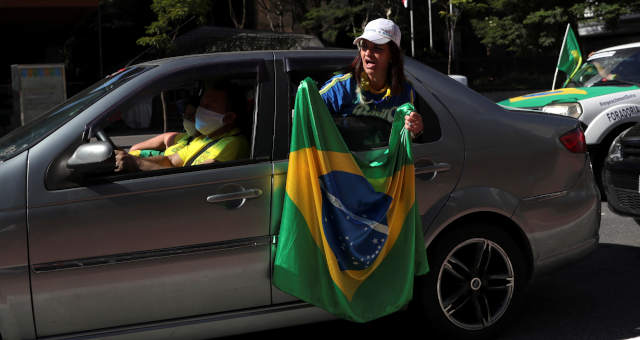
(350, 239)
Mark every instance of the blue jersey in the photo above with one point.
(344, 97)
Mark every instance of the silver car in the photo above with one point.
(187, 252)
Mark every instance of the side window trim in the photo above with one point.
(431, 120)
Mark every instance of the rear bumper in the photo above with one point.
(562, 227)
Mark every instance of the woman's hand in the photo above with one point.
(413, 123)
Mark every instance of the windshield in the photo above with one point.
(25, 136)
(620, 67)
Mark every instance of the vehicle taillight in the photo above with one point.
(574, 141)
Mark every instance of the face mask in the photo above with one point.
(190, 127)
(208, 121)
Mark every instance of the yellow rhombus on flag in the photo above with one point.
(350, 238)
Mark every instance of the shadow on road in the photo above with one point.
(596, 298)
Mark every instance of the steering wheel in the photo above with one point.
(103, 137)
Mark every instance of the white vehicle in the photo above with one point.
(604, 94)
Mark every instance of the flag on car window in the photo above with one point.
(350, 238)
(570, 58)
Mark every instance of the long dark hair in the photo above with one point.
(395, 72)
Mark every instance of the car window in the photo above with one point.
(166, 110)
(25, 136)
(603, 67)
(432, 131)
(159, 109)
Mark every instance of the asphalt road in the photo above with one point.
(595, 298)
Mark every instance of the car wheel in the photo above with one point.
(476, 280)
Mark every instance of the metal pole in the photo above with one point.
(413, 49)
(564, 41)
(430, 27)
(452, 42)
(451, 38)
(100, 41)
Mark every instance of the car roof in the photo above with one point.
(258, 54)
(620, 47)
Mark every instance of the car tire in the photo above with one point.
(476, 281)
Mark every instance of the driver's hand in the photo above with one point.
(125, 162)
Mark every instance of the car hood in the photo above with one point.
(564, 95)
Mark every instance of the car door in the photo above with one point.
(438, 153)
(152, 246)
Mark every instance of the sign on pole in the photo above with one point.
(36, 89)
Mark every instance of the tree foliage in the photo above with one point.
(238, 23)
(281, 12)
(516, 26)
(339, 21)
(450, 11)
(532, 26)
(171, 16)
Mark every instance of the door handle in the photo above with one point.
(232, 196)
(438, 167)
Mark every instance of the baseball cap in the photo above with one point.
(380, 31)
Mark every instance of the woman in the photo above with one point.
(375, 85)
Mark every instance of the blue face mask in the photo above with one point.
(208, 121)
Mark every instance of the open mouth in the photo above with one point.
(369, 63)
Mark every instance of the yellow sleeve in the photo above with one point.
(184, 154)
(179, 142)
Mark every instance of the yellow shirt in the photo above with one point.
(180, 141)
(227, 147)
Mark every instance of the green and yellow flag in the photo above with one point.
(350, 239)
(570, 58)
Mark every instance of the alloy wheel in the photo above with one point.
(475, 284)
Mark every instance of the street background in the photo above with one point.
(504, 47)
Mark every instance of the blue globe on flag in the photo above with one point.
(354, 219)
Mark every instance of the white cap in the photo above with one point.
(380, 31)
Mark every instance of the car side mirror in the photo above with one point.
(96, 157)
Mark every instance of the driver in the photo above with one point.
(169, 142)
(220, 140)
(603, 71)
